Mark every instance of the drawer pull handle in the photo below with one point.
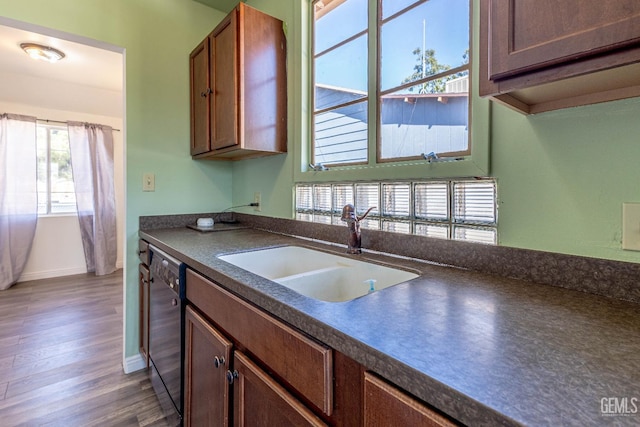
(231, 376)
(218, 361)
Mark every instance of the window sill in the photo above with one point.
(58, 215)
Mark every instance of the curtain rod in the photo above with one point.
(64, 122)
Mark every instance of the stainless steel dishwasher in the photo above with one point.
(166, 319)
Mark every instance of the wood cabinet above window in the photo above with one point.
(239, 88)
(542, 55)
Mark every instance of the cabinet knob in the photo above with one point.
(231, 376)
(218, 361)
(205, 93)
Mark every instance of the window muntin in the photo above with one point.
(459, 209)
(56, 193)
(422, 106)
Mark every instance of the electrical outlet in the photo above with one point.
(257, 198)
(148, 182)
(631, 226)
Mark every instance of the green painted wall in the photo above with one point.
(564, 175)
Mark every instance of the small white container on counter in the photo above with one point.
(205, 222)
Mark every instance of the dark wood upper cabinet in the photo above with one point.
(239, 88)
(541, 55)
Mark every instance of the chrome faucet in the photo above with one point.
(354, 244)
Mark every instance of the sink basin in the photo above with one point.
(317, 274)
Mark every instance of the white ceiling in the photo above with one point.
(83, 65)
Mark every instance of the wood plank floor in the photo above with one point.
(61, 356)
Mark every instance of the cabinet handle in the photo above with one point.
(205, 93)
(218, 361)
(231, 376)
(141, 252)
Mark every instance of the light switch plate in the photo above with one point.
(631, 226)
(148, 182)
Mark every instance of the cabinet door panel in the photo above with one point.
(206, 388)
(260, 401)
(527, 35)
(385, 405)
(200, 93)
(224, 106)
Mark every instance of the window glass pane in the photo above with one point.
(432, 213)
(56, 193)
(300, 216)
(474, 201)
(371, 224)
(478, 235)
(368, 195)
(341, 74)
(432, 230)
(304, 197)
(389, 7)
(341, 135)
(396, 199)
(414, 123)
(322, 219)
(322, 198)
(342, 195)
(63, 197)
(431, 200)
(337, 20)
(43, 177)
(396, 226)
(439, 28)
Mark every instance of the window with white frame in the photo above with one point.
(461, 209)
(56, 194)
(421, 68)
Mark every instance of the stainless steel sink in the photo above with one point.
(317, 274)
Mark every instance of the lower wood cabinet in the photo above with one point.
(207, 358)
(244, 367)
(385, 405)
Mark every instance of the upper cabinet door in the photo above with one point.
(527, 35)
(224, 106)
(200, 93)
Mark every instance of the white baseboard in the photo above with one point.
(48, 274)
(133, 363)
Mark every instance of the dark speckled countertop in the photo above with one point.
(487, 350)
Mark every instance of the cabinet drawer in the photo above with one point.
(299, 361)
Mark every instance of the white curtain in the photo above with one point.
(18, 194)
(92, 163)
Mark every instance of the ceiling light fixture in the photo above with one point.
(41, 52)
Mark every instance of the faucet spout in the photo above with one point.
(354, 242)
